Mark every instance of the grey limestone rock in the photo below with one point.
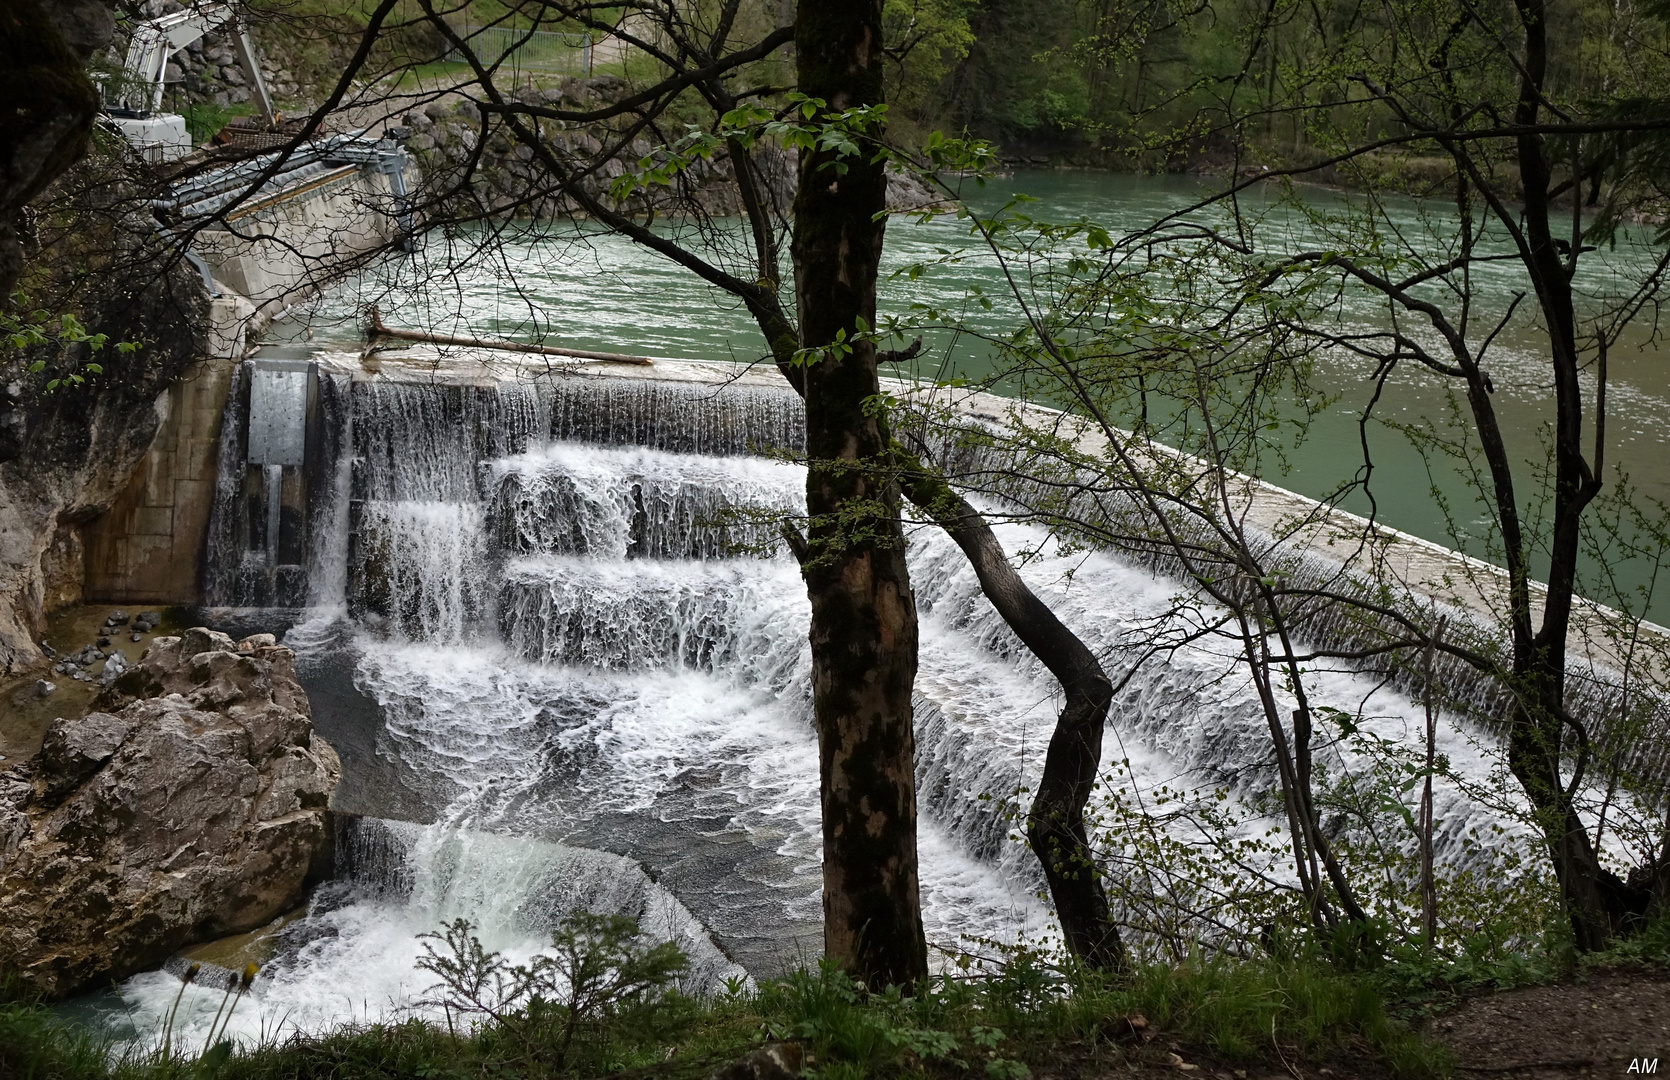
(190, 805)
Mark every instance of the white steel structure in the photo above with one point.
(136, 108)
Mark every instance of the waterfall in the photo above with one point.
(352, 956)
(226, 547)
(588, 666)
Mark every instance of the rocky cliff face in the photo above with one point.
(66, 450)
(189, 805)
(49, 110)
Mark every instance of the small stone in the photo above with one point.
(43, 688)
(118, 618)
(48, 649)
(773, 1061)
(103, 641)
(114, 667)
(139, 637)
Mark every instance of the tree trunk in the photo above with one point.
(864, 629)
(1594, 897)
(1055, 822)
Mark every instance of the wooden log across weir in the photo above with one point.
(376, 328)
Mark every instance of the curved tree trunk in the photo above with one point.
(1598, 903)
(863, 614)
(1055, 822)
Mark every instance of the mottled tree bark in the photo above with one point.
(864, 630)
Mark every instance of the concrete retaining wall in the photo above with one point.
(149, 547)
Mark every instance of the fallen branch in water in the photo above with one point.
(375, 328)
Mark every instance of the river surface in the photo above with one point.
(591, 289)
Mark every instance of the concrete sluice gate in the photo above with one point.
(540, 614)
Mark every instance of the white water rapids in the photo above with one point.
(588, 700)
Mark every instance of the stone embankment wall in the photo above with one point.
(206, 72)
(190, 804)
(444, 137)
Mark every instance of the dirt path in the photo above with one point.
(1609, 1024)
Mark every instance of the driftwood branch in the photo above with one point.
(376, 328)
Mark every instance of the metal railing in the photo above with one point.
(526, 50)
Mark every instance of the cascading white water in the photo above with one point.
(569, 638)
(353, 957)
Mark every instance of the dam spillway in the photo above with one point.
(539, 616)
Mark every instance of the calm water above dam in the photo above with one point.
(595, 290)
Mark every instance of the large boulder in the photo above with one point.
(189, 805)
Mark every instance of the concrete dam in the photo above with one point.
(539, 612)
(530, 606)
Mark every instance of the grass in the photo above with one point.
(204, 120)
(1002, 1027)
(1308, 1009)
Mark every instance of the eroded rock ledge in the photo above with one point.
(190, 804)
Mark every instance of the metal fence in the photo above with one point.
(526, 50)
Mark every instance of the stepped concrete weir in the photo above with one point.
(402, 428)
(540, 613)
(286, 484)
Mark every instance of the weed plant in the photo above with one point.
(606, 1002)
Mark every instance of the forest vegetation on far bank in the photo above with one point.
(1128, 85)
